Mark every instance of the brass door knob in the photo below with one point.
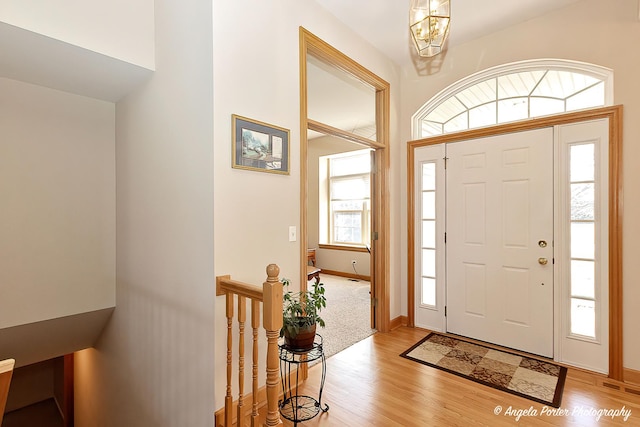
(543, 261)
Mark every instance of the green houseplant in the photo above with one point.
(301, 314)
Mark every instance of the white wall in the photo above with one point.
(121, 29)
(57, 186)
(256, 75)
(585, 32)
(153, 366)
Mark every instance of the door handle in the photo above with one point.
(543, 261)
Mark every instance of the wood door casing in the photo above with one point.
(614, 115)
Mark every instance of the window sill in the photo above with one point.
(351, 248)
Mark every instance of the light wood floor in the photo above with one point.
(369, 384)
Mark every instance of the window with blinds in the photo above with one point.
(349, 198)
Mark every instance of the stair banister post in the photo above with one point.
(272, 322)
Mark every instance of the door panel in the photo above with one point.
(499, 206)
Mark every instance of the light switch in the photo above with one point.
(292, 233)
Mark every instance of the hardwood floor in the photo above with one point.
(369, 384)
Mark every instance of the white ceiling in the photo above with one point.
(342, 103)
(385, 23)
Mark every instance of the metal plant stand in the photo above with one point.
(296, 407)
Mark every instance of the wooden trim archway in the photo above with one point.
(312, 45)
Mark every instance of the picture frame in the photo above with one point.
(259, 146)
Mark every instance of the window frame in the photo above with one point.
(328, 217)
(605, 75)
(596, 258)
(435, 248)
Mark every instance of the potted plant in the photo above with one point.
(300, 315)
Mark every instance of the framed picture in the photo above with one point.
(259, 146)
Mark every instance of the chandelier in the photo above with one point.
(429, 24)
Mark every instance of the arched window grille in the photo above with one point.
(512, 92)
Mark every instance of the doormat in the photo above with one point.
(533, 379)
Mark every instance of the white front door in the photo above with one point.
(499, 240)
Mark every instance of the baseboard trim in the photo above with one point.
(631, 376)
(398, 321)
(343, 274)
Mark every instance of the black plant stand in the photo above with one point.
(296, 407)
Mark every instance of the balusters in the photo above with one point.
(270, 296)
(255, 324)
(228, 399)
(242, 317)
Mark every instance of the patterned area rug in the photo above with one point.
(530, 378)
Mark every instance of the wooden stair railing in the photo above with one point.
(6, 371)
(270, 295)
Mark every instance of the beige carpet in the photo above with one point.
(347, 315)
(534, 379)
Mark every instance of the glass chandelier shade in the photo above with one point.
(429, 24)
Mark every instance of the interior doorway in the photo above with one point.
(316, 50)
(339, 235)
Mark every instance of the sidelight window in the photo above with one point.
(428, 235)
(582, 271)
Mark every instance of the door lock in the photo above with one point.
(542, 243)
(543, 261)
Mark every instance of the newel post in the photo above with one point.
(272, 322)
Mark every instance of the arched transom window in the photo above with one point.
(516, 91)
